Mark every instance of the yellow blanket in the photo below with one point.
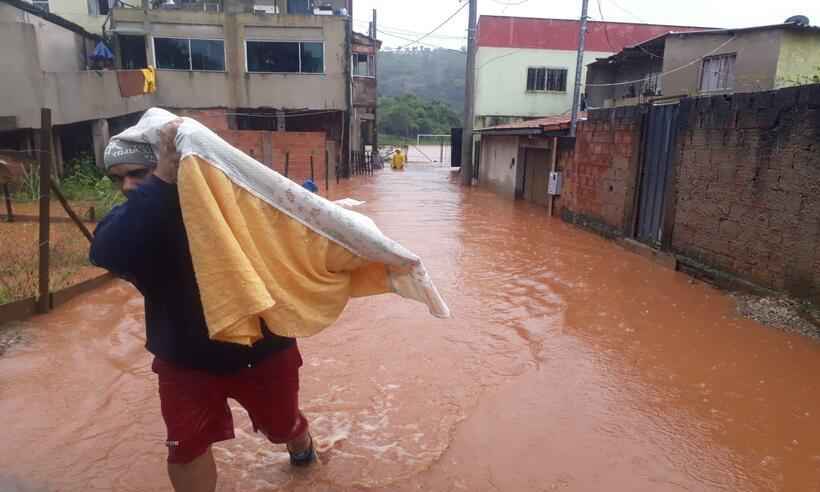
(264, 248)
(253, 261)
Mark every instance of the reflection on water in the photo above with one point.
(569, 365)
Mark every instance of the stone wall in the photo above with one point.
(748, 187)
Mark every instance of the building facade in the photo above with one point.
(297, 90)
(281, 67)
(525, 67)
(46, 64)
(707, 62)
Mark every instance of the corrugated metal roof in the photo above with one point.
(547, 124)
(562, 34)
(791, 26)
(662, 37)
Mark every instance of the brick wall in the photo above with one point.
(215, 119)
(748, 187)
(599, 173)
(271, 149)
(745, 195)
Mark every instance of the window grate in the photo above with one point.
(542, 79)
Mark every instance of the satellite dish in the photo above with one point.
(800, 20)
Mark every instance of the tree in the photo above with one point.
(409, 115)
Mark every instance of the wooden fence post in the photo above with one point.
(44, 301)
(7, 194)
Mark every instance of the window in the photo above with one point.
(103, 7)
(363, 65)
(285, 57)
(718, 73)
(190, 54)
(132, 52)
(299, 7)
(41, 4)
(546, 79)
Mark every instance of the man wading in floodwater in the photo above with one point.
(144, 242)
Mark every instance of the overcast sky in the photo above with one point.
(411, 19)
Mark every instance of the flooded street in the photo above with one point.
(570, 364)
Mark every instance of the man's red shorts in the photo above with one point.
(195, 403)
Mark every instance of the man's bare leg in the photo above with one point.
(197, 476)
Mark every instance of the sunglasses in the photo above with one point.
(135, 174)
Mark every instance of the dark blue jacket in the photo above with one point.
(144, 241)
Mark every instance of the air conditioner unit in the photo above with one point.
(266, 9)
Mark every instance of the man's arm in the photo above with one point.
(124, 239)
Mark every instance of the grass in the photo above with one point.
(19, 241)
(83, 182)
(19, 261)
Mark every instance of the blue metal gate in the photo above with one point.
(660, 131)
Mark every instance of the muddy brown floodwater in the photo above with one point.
(570, 365)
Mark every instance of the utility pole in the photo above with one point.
(374, 127)
(469, 99)
(579, 68)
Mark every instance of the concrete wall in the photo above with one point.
(21, 83)
(365, 91)
(57, 48)
(73, 95)
(235, 87)
(799, 61)
(78, 12)
(499, 163)
(755, 67)
(501, 81)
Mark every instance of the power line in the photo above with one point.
(406, 32)
(448, 19)
(431, 45)
(618, 6)
(606, 27)
(663, 74)
(511, 4)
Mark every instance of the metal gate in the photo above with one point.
(659, 143)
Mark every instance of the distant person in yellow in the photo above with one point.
(398, 161)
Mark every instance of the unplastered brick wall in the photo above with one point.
(599, 173)
(215, 119)
(748, 187)
(273, 149)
